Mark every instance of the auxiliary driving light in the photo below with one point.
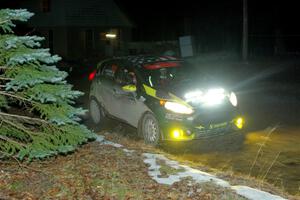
(177, 133)
(239, 123)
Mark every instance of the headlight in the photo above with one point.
(233, 99)
(209, 98)
(214, 96)
(178, 108)
(193, 95)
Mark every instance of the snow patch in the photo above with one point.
(252, 193)
(200, 177)
(197, 175)
(128, 152)
(101, 139)
(112, 144)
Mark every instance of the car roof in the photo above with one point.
(142, 60)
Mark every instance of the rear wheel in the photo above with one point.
(150, 129)
(97, 114)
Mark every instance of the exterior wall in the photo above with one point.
(75, 43)
(88, 43)
(60, 39)
(74, 29)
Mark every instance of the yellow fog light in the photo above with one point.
(177, 133)
(239, 122)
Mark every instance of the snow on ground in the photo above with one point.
(100, 138)
(197, 175)
(252, 193)
(200, 177)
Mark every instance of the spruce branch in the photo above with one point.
(21, 128)
(31, 83)
(15, 96)
(6, 79)
(26, 118)
(4, 21)
(2, 137)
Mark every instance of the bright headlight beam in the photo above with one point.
(211, 97)
(194, 94)
(178, 108)
(214, 96)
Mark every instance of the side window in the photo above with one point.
(119, 78)
(109, 70)
(125, 77)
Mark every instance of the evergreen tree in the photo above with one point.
(37, 118)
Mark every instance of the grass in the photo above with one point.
(102, 172)
(115, 188)
(16, 186)
(95, 172)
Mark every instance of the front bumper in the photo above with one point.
(185, 130)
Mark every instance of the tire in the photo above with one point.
(97, 115)
(150, 130)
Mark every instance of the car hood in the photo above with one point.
(182, 87)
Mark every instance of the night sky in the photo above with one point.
(212, 22)
(284, 15)
(264, 16)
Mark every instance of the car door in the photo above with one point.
(127, 107)
(105, 83)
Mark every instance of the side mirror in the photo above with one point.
(129, 88)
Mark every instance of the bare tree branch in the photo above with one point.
(22, 165)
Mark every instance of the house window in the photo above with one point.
(46, 4)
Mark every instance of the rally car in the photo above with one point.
(163, 97)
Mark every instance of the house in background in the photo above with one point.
(80, 29)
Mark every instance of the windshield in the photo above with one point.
(167, 76)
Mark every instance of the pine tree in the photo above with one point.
(37, 118)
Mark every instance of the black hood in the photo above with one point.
(182, 87)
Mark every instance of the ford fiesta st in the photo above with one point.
(164, 98)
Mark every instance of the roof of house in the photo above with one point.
(83, 13)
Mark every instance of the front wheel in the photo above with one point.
(150, 130)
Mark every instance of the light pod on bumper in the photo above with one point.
(239, 122)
